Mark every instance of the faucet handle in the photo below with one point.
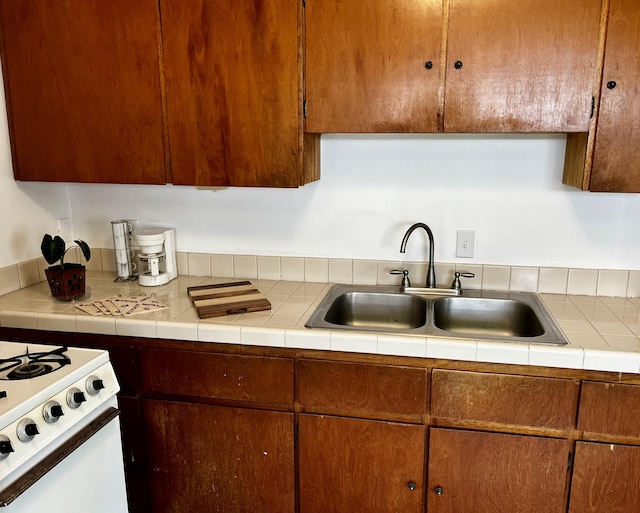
(405, 277)
(456, 285)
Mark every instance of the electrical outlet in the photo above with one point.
(465, 243)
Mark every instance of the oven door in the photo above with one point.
(85, 473)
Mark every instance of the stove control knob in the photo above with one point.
(52, 411)
(75, 398)
(26, 430)
(5, 447)
(94, 385)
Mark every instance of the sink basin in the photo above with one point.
(378, 310)
(495, 317)
(499, 316)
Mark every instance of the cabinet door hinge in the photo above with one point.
(304, 3)
(304, 109)
(593, 106)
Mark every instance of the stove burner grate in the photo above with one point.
(32, 365)
(30, 370)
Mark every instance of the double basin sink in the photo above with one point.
(500, 316)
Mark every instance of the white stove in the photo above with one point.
(58, 423)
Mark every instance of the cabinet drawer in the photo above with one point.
(504, 399)
(362, 390)
(609, 409)
(253, 379)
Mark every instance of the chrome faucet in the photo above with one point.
(431, 273)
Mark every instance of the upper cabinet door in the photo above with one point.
(523, 66)
(373, 66)
(233, 75)
(616, 161)
(82, 82)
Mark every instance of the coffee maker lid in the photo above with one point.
(151, 235)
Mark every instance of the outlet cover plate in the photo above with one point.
(465, 243)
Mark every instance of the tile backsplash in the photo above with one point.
(587, 282)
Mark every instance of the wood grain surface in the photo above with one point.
(616, 160)
(83, 90)
(227, 298)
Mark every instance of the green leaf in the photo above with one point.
(52, 248)
(86, 251)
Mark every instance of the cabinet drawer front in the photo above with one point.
(362, 390)
(218, 376)
(504, 399)
(609, 409)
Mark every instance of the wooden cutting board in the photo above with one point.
(227, 299)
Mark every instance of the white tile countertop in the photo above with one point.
(603, 332)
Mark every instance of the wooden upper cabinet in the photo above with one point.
(233, 83)
(616, 159)
(82, 83)
(373, 66)
(525, 66)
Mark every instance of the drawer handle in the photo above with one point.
(411, 485)
(438, 491)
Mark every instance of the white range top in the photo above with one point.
(602, 331)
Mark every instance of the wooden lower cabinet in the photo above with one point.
(217, 458)
(609, 409)
(481, 472)
(135, 470)
(606, 478)
(241, 430)
(359, 465)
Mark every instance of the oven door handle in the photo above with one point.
(23, 483)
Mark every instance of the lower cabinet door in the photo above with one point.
(606, 479)
(477, 472)
(365, 466)
(213, 458)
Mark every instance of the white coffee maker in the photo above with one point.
(156, 255)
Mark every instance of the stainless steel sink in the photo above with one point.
(500, 316)
(495, 317)
(377, 310)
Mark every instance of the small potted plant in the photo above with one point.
(66, 280)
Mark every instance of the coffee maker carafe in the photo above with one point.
(156, 255)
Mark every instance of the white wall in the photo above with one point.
(27, 210)
(506, 188)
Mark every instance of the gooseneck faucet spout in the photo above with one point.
(431, 273)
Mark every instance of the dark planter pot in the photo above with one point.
(66, 283)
